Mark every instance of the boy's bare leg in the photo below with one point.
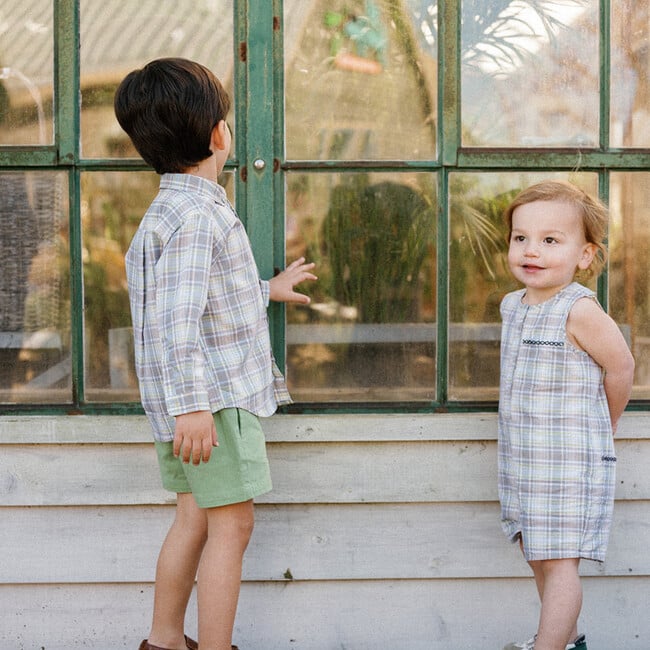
(561, 596)
(229, 530)
(175, 573)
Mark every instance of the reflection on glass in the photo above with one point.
(369, 332)
(629, 268)
(630, 93)
(479, 275)
(535, 66)
(26, 78)
(112, 206)
(34, 288)
(360, 80)
(122, 35)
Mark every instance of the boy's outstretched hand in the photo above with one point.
(281, 286)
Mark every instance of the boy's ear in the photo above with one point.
(218, 139)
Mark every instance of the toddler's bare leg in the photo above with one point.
(561, 596)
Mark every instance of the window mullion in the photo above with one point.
(67, 125)
(259, 133)
(605, 72)
(277, 313)
(603, 278)
(449, 129)
(66, 80)
(442, 290)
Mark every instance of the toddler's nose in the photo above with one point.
(531, 250)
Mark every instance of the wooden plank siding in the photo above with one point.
(381, 532)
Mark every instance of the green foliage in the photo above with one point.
(477, 249)
(487, 26)
(377, 238)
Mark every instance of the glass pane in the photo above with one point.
(360, 80)
(34, 288)
(112, 205)
(630, 93)
(369, 333)
(122, 35)
(629, 268)
(535, 66)
(26, 72)
(479, 275)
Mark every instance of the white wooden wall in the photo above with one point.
(382, 532)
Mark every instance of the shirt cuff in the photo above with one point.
(265, 287)
(181, 404)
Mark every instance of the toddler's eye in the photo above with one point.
(550, 240)
(518, 238)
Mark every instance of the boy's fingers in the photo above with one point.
(304, 270)
(300, 265)
(177, 445)
(197, 449)
(186, 451)
(206, 448)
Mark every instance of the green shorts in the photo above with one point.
(238, 469)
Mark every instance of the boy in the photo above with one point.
(202, 346)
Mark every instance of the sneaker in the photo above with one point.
(579, 643)
(525, 645)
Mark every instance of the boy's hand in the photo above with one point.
(195, 435)
(281, 286)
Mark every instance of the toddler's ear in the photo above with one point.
(587, 257)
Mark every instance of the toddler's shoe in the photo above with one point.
(579, 643)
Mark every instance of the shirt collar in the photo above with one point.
(192, 183)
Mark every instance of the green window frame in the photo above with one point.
(259, 105)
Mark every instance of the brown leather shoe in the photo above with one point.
(190, 643)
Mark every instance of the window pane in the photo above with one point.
(26, 77)
(630, 94)
(34, 288)
(369, 333)
(629, 268)
(529, 73)
(479, 275)
(122, 35)
(360, 80)
(112, 206)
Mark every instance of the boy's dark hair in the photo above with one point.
(169, 109)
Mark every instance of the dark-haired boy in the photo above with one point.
(202, 346)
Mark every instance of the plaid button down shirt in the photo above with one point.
(201, 334)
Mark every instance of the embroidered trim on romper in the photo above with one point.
(557, 344)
